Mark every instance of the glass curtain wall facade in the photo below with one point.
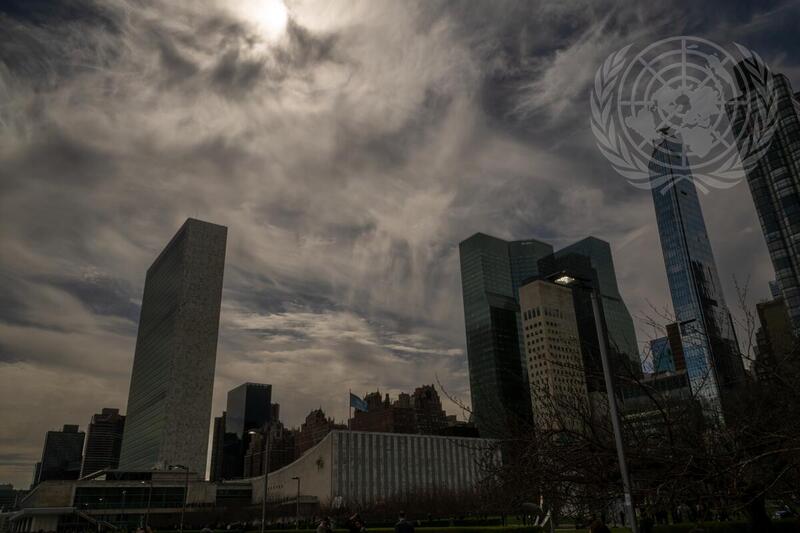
(249, 408)
(492, 270)
(580, 267)
(775, 186)
(711, 351)
(620, 329)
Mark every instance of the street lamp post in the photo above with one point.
(185, 490)
(122, 515)
(563, 279)
(149, 501)
(615, 423)
(266, 434)
(297, 504)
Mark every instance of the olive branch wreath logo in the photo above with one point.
(759, 126)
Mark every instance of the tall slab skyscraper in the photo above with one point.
(169, 403)
(492, 270)
(711, 351)
(775, 185)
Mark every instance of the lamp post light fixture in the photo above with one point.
(567, 280)
(266, 434)
(297, 504)
(185, 490)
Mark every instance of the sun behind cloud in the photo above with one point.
(269, 16)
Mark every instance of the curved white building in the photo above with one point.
(357, 467)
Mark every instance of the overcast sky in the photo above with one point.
(348, 147)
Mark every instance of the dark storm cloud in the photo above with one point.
(348, 154)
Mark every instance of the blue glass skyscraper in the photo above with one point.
(711, 351)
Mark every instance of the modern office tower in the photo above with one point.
(61, 454)
(661, 355)
(620, 330)
(216, 472)
(559, 397)
(667, 352)
(169, 403)
(776, 342)
(710, 348)
(645, 403)
(249, 408)
(775, 183)
(492, 270)
(281, 450)
(580, 267)
(103, 442)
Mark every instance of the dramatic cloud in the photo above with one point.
(348, 147)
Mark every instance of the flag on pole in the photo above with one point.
(358, 403)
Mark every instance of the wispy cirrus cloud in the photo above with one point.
(348, 155)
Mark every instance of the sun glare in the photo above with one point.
(270, 16)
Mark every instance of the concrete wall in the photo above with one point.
(50, 494)
(201, 492)
(314, 468)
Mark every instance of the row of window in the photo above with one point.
(542, 311)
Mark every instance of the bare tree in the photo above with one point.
(689, 457)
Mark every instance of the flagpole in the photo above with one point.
(349, 409)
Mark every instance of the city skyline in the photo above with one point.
(345, 211)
